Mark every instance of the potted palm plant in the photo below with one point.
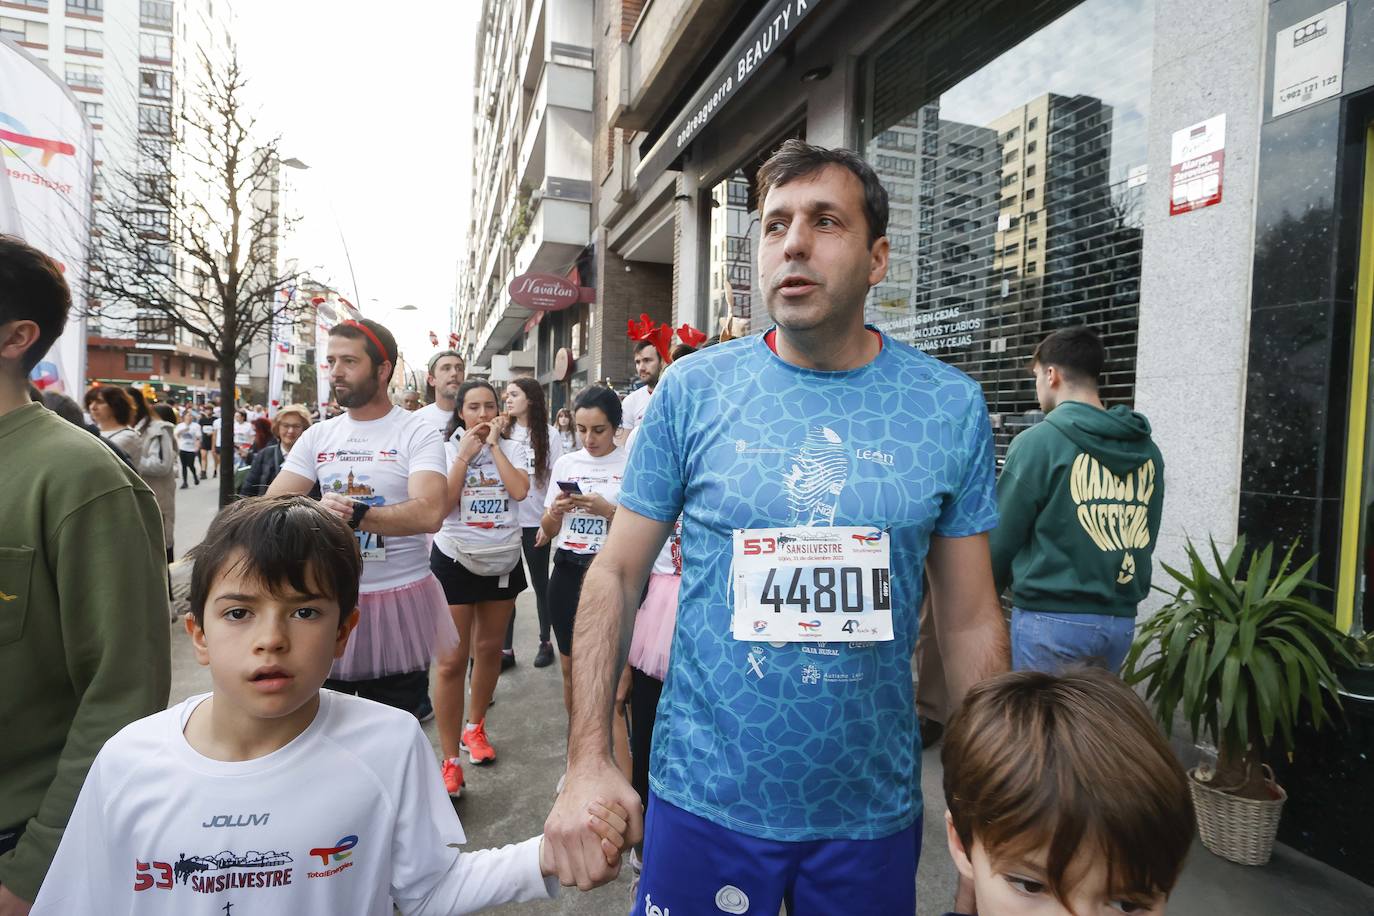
(1242, 659)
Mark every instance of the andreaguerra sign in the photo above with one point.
(547, 292)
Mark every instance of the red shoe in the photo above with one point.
(453, 776)
(475, 742)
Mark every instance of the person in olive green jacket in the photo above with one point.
(1079, 501)
(84, 641)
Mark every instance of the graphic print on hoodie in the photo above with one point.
(1080, 499)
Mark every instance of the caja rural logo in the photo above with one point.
(15, 135)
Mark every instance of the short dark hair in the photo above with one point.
(115, 398)
(32, 289)
(682, 350)
(282, 540)
(797, 159)
(64, 407)
(600, 398)
(641, 344)
(1037, 761)
(165, 412)
(350, 330)
(1077, 352)
(433, 360)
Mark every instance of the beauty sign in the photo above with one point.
(1196, 160)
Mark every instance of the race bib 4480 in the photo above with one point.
(812, 585)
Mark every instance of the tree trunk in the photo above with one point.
(227, 372)
(1242, 775)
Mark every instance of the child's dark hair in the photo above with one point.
(1077, 352)
(1065, 763)
(281, 541)
(602, 399)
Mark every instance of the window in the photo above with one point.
(1011, 179)
(153, 187)
(1011, 135)
(1030, 147)
(1011, 250)
(1031, 124)
(1011, 156)
(736, 248)
(1030, 194)
(84, 76)
(154, 47)
(155, 13)
(152, 222)
(1032, 243)
(94, 111)
(1030, 267)
(1030, 170)
(1032, 217)
(138, 362)
(87, 40)
(155, 84)
(166, 365)
(24, 31)
(86, 8)
(153, 119)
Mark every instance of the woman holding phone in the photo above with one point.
(578, 510)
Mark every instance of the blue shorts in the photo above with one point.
(693, 866)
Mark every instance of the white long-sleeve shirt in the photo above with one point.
(347, 818)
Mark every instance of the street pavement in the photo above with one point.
(508, 800)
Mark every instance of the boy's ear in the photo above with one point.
(962, 862)
(345, 630)
(197, 634)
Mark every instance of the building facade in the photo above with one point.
(1036, 158)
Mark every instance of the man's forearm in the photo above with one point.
(414, 516)
(973, 649)
(601, 641)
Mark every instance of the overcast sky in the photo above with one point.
(377, 100)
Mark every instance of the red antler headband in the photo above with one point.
(370, 336)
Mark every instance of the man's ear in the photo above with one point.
(962, 861)
(197, 634)
(345, 630)
(16, 337)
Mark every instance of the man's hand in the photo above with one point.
(10, 905)
(609, 823)
(341, 506)
(576, 832)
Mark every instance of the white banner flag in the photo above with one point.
(47, 147)
(324, 320)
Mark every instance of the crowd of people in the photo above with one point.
(733, 565)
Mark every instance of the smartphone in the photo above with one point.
(570, 487)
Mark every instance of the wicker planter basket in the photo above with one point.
(1239, 829)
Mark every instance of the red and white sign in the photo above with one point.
(1196, 162)
(544, 292)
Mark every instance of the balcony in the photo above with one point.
(557, 137)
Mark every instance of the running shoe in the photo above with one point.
(453, 776)
(544, 657)
(507, 659)
(425, 711)
(475, 742)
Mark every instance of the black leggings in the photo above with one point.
(537, 563)
(188, 463)
(644, 693)
(565, 590)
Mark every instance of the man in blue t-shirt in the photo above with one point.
(818, 469)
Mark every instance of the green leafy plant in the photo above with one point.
(1241, 657)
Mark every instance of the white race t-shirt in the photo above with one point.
(188, 437)
(583, 532)
(530, 510)
(371, 461)
(485, 514)
(435, 416)
(243, 433)
(633, 406)
(347, 818)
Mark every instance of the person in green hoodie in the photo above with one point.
(1079, 499)
(84, 642)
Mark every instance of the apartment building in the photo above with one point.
(531, 179)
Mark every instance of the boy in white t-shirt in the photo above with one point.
(270, 793)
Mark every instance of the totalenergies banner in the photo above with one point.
(45, 192)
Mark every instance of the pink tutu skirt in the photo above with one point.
(653, 636)
(399, 631)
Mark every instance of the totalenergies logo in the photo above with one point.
(14, 134)
(338, 852)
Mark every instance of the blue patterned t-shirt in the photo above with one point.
(802, 741)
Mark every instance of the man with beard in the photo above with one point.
(446, 375)
(649, 366)
(786, 757)
(382, 470)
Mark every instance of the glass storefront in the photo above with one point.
(1015, 168)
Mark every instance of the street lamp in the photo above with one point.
(294, 163)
